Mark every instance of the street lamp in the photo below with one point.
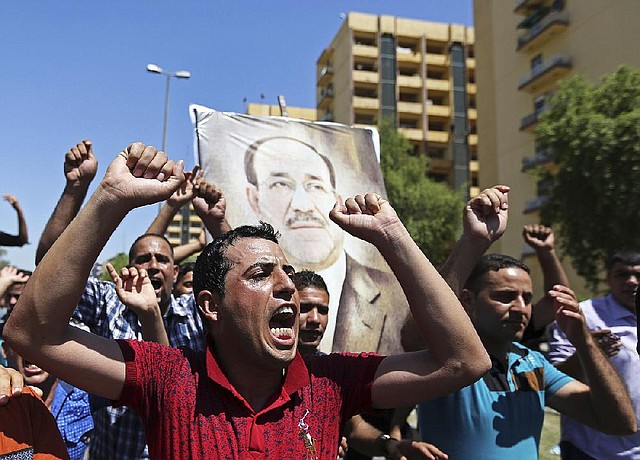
(185, 74)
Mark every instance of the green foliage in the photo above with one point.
(118, 261)
(430, 210)
(594, 192)
(191, 259)
(3, 261)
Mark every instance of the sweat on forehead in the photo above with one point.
(132, 250)
(212, 265)
(492, 262)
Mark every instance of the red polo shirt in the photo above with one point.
(191, 410)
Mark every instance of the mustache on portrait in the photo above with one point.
(308, 216)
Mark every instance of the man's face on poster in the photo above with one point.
(294, 192)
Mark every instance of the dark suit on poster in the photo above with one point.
(373, 309)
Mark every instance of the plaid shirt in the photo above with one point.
(118, 431)
(70, 408)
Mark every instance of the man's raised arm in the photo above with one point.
(456, 356)
(484, 221)
(80, 166)
(38, 329)
(22, 237)
(542, 240)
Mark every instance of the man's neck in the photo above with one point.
(497, 350)
(244, 377)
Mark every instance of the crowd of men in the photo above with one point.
(221, 358)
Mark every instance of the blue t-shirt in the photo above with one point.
(498, 417)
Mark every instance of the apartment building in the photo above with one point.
(185, 226)
(420, 73)
(524, 48)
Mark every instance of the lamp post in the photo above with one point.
(184, 74)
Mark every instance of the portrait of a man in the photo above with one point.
(290, 173)
(292, 186)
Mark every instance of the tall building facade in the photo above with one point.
(185, 226)
(524, 48)
(420, 73)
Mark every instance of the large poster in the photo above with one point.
(289, 172)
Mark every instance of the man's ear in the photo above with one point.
(208, 303)
(176, 270)
(252, 198)
(467, 299)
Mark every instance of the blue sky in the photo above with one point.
(76, 69)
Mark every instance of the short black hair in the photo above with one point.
(184, 269)
(491, 262)
(309, 279)
(250, 153)
(624, 257)
(212, 264)
(146, 235)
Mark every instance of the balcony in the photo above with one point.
(365, 103)
(405, 107)
(369, 51)
(413, 134)
(326, 97)
(408, 55)
(544, 30)
(406, 81)
(541, 157)
(437, 60)
(526, 6)
(443, 111)
(439, 165)
(472, 139)
(472, 88)
(546, 73)
(438, 85)
(441, 137)
(528, 122)
(326, 92)
(365, 76)
(324, 73)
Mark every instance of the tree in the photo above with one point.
(118, 261)
(594, 183)
(430, 210)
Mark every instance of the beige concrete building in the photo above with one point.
(523, 48)
(185, 227)
(419, 72)
(303, 113)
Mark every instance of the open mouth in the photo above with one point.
(282, 325)
(310, 335)
(156, 283)
(31, 369)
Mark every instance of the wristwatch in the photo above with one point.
(383, 442)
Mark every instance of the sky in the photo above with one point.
(71, 70)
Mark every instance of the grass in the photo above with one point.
(550, 435)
